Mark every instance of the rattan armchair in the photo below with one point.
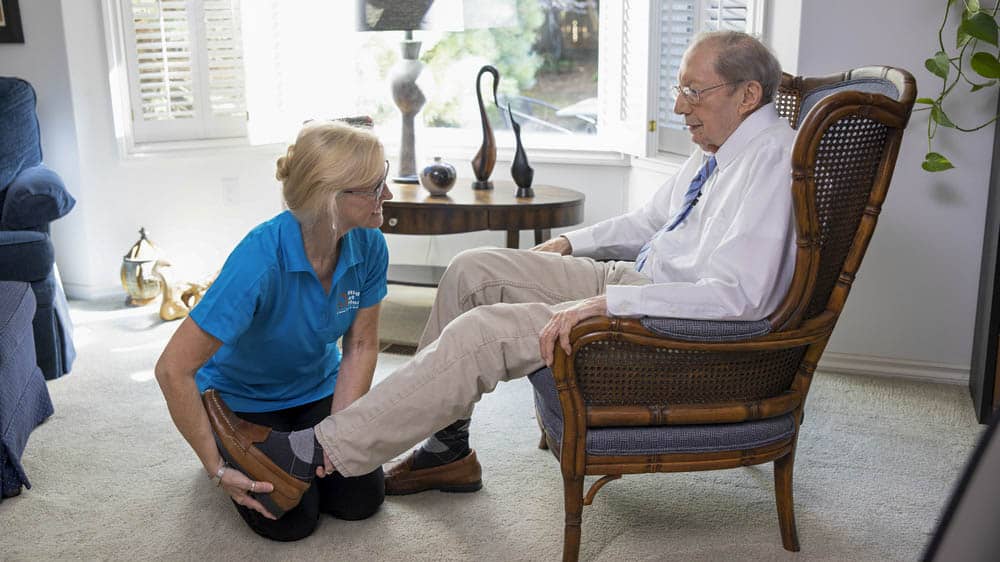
(667, 395)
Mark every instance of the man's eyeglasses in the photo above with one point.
(374, 193)
(693, 96)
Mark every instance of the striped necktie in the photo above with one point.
(690, 199)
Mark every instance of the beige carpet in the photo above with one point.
(113, 480)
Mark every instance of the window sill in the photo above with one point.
(196, 148)
(664, 163)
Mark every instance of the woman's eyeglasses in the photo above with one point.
(374, 193)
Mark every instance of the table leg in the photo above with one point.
(542, 235)
(514, 239)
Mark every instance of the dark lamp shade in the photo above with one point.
(438, 15)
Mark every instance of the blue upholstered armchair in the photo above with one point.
(32, 196)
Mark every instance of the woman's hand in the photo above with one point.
(327, 468)
(562, 322)
(239, 487)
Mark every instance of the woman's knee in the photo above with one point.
(355, 498)
(296, 524)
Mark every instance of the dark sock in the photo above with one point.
(448, 445)
(296, 452)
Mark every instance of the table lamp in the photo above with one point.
(417, 15)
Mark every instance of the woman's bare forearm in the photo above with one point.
(175, 371)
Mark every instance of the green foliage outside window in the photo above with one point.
(509, 49)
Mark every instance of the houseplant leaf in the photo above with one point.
(977, 87)
(971, 6)
(925, 101)
(936, 162)
(939, 117)
(938, 65)
(982, 26)
(985, 65)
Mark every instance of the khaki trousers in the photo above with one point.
(490, 307)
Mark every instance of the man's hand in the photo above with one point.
(559, 245)
(563, 321)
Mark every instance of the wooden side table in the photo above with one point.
(413, 210)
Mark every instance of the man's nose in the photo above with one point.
(681, 105)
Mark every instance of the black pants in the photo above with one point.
(344, 498)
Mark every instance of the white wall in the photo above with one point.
(915, 295)
(912, 308)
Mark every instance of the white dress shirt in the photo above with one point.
(734, 255)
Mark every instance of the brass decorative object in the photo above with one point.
(138, 278)
(179, 297)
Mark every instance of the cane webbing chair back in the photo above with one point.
(668, 395)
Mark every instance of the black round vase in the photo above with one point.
(438, 177)
(521, 172)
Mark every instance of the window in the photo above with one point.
(185, 69)
(679, 22)
(577, 74)
(306, 60)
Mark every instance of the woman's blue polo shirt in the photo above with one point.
(278, 327)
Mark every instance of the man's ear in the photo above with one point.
(753, 92)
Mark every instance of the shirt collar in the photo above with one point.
(292, 247)
(762, 118)
(294, 250)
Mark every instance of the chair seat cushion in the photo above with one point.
(649, 440)
(25, 255)
(36, 197)
(706, 330)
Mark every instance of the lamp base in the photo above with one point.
(406, 179)
(482, 184)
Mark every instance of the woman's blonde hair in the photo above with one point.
(327, 157)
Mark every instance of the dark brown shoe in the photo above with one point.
(236, 438)
(463, 475)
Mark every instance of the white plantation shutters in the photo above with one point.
(679, 22)
(185, 61)
(623, 80)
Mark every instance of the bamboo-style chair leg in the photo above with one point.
(783, 496)
(573, 490)
(542, 443)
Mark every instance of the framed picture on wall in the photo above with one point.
(10, 22)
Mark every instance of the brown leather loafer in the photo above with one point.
(236, 438)
(463, 475)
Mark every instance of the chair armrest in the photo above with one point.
(25, 255)
(35, 198)
(620, 373)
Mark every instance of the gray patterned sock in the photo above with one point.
(296, 452)
(448, 445)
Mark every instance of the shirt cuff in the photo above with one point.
(582, 241)
(623, 300)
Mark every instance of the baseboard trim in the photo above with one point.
(854, 364)
(78, 291)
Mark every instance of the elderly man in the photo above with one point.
(715, 242)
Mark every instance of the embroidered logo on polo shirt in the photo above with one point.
(348, 300)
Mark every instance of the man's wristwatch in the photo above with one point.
(217, 477)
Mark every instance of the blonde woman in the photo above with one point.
(264, 335)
